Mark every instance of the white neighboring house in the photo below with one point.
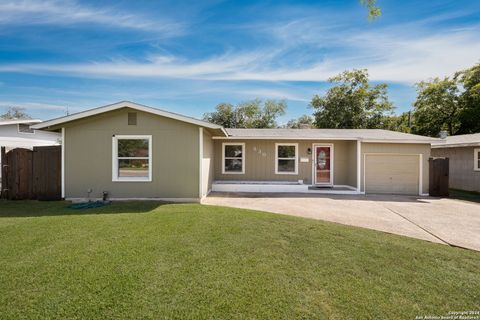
(18, 134)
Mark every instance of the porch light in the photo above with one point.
(309, 151)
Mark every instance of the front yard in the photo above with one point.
(147, 260)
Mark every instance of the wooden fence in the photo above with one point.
(439, 175)
(31, 174)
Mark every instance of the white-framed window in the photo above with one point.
(25, 128)
(132, 158)
(476, 159)
(233, 158)
(286, 158)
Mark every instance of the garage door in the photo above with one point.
(394, 174)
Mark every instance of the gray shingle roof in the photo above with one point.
(342, 134)
(458, 141)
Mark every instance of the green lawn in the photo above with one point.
(464, 195)
(152, 261)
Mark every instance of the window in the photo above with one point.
(476, 159)
(286, 158)
(132, 158)
(233, 158)
(25, 128)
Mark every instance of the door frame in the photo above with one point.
(314, 163)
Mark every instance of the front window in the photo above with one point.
(476, 159)
(286, 158)
(234, 158)
(132, 158)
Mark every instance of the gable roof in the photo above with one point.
(464, 140)
(19, 121)
(126, 104)
(372, 135)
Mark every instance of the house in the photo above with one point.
(132, 151)
(18, 134)
(463, 152)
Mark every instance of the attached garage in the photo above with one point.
(393, 173)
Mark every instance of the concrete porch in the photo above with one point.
(279, 187)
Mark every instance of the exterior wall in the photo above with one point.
(397, 148)
(461, 173)
(260, 164)
(207, 163)
(88, 157)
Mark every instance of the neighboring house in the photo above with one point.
(133, 151)
(464, 154)
(18, 134)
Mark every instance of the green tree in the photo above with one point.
(300, 122)
(15, 113)
(437, 107)
(249, 114)
(352, 103)
(373, 11)
(469, 80)
(401, 123)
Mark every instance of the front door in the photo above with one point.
(323, 165)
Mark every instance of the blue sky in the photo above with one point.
(188, 56)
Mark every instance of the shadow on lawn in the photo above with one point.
(22, 208)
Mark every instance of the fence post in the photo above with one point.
(3, 172)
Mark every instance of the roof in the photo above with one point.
(464, 140)
(125, 104)
(373, 135)
(19, 121)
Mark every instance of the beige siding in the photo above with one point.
(461, 176)
(260, 161)
(88, 157)
(397, 148)
(207, 163)
(393, 174)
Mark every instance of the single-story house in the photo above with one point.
(133, 151)
(463, 152)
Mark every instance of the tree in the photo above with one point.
(249, 114)
(373, 11)
(437, 107)
(469, 117)
(353, 103)
(400, 123)
(15, 113)
(301, 122)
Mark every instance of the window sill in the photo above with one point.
(232, 172)
(287, 173)
(131, 180)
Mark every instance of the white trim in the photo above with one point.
(420, 168)
(200, 162)
(126, 104)
(409, 141)
(314, 163)
(115, 177)
(476, 167)
(180, 200)
(359, 165)
(296, 158)
(456, 145)
(63, 163)
(243, 156)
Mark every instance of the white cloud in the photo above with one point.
(68, 12)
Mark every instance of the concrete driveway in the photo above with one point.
(446, 221)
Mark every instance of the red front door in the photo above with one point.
(323, 165)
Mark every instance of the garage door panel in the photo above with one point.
(394, 174)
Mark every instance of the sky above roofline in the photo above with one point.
(188, 56)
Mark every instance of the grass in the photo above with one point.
(153, 261)
(465, 195)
